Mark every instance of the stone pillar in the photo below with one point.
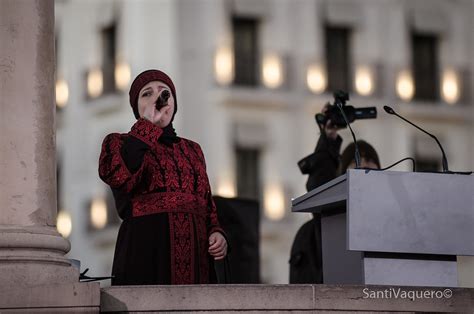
(31, 250)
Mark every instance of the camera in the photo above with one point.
(334, 114)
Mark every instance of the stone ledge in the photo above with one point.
(262, 298)
(77, 297)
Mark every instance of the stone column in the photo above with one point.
(31, 250)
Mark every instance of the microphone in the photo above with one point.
(445, 160)
(162, 100)
(356, 151)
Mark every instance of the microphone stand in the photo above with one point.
(389, 110)
(356, 152)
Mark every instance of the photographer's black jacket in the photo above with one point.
(324, 162)
(306, 256)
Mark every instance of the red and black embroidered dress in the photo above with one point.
(163, 195)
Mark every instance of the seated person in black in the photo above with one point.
(322, 166)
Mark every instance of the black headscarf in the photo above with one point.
(169, 136)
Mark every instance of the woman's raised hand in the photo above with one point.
(154, 116)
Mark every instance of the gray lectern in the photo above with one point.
(393, 228)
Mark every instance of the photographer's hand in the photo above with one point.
(329, 129)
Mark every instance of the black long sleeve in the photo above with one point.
(132, 152)
(324, 162)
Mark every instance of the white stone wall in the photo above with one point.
(180, 37)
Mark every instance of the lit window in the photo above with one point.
(226, 188)
(364, 80)
(64, 223)
(451, 87)
(102, 212)
(95, 83)
(224, 65)
(122, 75)
(272, 71)
(98, 213)
(316, 78)
(405, 87)
(62, 93)
(274, 202)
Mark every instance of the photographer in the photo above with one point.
(324, 163)
(322, 166)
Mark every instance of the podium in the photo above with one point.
(393, 228)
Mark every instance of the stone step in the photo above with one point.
(286, 298)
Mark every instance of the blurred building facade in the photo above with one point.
(250, 75)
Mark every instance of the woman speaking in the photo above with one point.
(170, 229)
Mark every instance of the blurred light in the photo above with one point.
(224, 65)
(272, 71)
(62, 93)
(316, 78)
(405, 86)
(274, 202)
(94, 83)
(122, 75)
(98, 213)
(364, 80)
(64, 223)
(226, 188)
(450, 87)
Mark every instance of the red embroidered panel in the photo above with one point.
(146, 131)
(168, 202)
(182, 248)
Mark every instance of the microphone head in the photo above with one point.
(162, 100)
(165, 94)
(388, 110)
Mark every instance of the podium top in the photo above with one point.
(326, 196)
(392, 211)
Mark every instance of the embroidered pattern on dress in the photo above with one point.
(146, 131)
(182, 238)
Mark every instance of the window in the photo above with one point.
(425, 66)
(337, 58)
(108, 58)
(245, 51)
(248, 170)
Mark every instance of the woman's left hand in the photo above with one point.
(217, 245)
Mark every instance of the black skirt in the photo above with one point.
(142, 252)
